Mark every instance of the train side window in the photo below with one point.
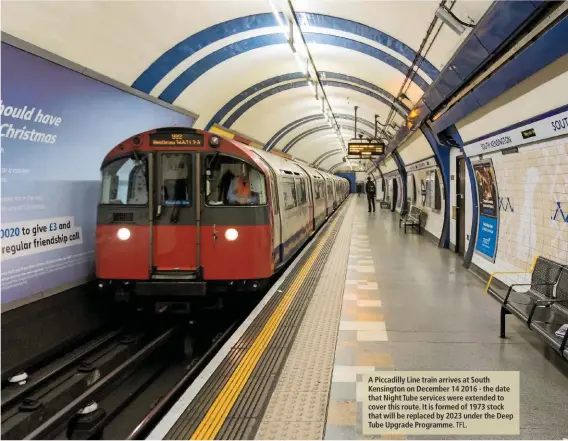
(176, 179)
(233, 181)
(302, 194)
(317, 189)
(289, 193)
(125, 181)
(273, 182)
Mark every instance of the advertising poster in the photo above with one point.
(488, 225)
(56, 127)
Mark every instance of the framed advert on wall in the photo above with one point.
(488, 210)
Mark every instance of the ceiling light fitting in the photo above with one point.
(454, 23)
(303, 56)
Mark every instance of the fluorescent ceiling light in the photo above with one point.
(443, 14)
(281, 24)
(302, 64)
(314, 87)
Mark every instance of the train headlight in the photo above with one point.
(231, 234)
(123, 234)
(214, 141)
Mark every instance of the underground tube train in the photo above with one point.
(186, 216)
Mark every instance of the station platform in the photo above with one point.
(362, 297)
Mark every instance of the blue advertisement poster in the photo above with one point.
(488, 225)
(56, 127)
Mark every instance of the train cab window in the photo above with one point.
(175, 176)
(231, 181)
(124, 181)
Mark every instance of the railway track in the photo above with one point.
(26, 407)
(116, 384)
(121, 383)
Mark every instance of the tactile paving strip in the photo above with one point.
(244, 415)
(298, 406)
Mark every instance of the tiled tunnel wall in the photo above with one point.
(531, 184)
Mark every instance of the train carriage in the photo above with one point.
(185, 215)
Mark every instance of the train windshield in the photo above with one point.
(125, 181)
(232, 181)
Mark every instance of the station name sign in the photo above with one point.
(364, 149)
(173, 139)
(549, 126)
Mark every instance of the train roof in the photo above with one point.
(146, 141)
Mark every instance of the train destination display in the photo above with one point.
(366, 149)
(182, 139)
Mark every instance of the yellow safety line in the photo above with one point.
(217, 413)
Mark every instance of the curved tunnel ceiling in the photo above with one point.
(230, 63)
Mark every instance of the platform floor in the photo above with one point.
(436, 317)
(380, 300)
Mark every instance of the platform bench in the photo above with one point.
(412, 218)
(403, 214)
(544, 307)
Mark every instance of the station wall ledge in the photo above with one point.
(54, 58)
(544, 126)
(499, 24)
(421, 164)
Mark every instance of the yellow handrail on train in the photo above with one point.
(530, 270)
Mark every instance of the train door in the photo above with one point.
(174, 231)
(460, 206)
(328, 197)
(309, 183)
(310, 197)
(277, 237)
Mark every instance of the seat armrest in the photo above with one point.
(525, 284)
(510, 272)
(502, 272)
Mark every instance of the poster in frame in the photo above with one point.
(488, 210)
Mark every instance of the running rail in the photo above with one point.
(81, 401)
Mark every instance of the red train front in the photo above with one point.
(169, 226)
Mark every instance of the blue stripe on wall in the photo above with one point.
(366, 49)
(172, 92)
(231, 104)
(196, 42)
(289, 127)
(268, 93)
(331, 156)
(302, 135)
(324, 156)
(200, 67)
(356, 80)
(352, 27)
(275, 139)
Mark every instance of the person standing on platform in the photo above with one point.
(371, 190)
